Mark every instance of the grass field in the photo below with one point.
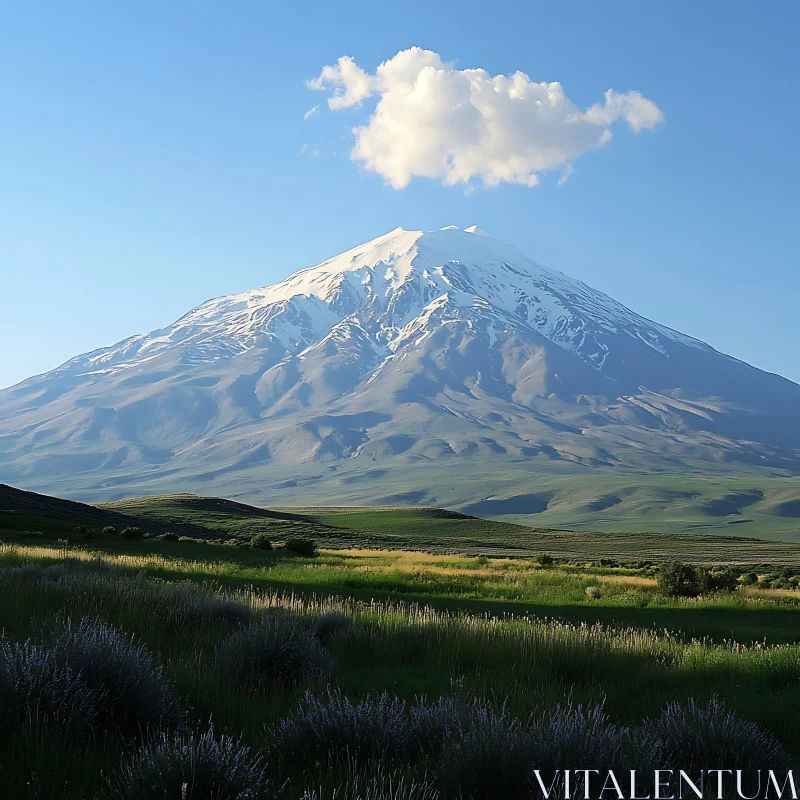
(531, 663)
(490, 651)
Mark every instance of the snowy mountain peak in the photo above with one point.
(477, 231)
(418, 347)
(387, 283)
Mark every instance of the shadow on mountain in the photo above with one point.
(602, 503)
(732, 503)
(518, 504)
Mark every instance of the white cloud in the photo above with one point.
(433, 120)
(568, 170)
(312, 112)
(351, 84)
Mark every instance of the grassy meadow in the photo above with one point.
(157, 664)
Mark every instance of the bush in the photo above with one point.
(593, 592)
(110, 530)
(261, 542)
(722, 580)
(278, 652)
(695, 737)
(383, 786)
(35, 683)
(129, 691)
(491, 756)
(303, 547)
(749, 579)
(186, 539)
(333, 624)
(201, 767)
(698, 737)
(579, 734)
(332, 727)
(190, 606)
(89, 679)
(132, 533)
(545, 560)
(169, 537)
(676, 579)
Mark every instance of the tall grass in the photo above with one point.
(592, 683)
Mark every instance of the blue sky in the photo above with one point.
(150, 158)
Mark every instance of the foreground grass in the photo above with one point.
(530, 663)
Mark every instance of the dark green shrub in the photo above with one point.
(169, 537)
(81, 530)
(278, 652)
(201, 767)
(545, 560)
(261, 542)
(110, 530)
(749, 579)
(132, 532)
(188, 605)
(676, 579)
(303, 547)
(333, 624)
(722, 580)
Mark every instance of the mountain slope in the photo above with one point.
(444, 348)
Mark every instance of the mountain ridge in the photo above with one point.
(417, 348)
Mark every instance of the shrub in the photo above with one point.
(712, 736)
(110, 530)
(303, 547)
(383, 786)
(545, 560)
(202, 767)
(749, 579)
(676, 579)
(722, 580)
(169, 537)
(491, 756)
(33, 683)
(277, 652)
(261, 542)
(91, 678)
(132, 532)
(186, 539)
(129, 691)
(190, 606)
(577, 734)
(331, 727)
(593, 592)
(333, 624)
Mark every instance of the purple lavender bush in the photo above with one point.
(130, 693)
(712, 736)
(376, 727)
(276, 653)
(35, 686)
(200, 766)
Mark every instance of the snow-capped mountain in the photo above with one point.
(415, 348)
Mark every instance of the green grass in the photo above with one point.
(532, 663)
(430, 529)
